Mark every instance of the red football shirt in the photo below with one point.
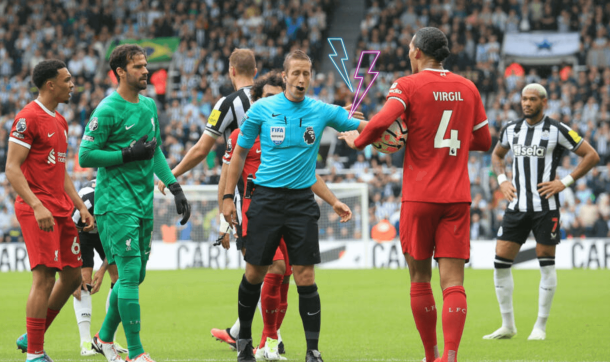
(45, 133)
(445, 118)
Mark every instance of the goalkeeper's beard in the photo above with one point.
(136, 83)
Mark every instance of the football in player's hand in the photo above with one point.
(392, 139)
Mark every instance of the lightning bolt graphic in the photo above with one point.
(343, 73)
(357, 100)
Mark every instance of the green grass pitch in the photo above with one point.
(365, 317)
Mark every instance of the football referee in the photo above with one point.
(290, 126)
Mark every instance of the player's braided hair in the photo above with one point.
(432, 42)
(45, 70)
(122, 54)
(273, 78)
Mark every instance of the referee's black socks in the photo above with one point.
(310, 310)
(248, 297)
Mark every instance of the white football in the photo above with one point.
(392, 139)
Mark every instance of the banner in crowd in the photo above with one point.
(157, 49)
(539, 45)
(576, 253)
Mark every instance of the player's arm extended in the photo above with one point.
(372, 130)
(321, 189)
(86, 217)
(235, 168)
(195, 155)
(15, 158)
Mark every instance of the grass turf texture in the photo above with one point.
(365, 317)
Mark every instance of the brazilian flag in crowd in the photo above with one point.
(157, 49)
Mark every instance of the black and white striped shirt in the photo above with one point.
(537, 151)
(87, 193)
(228, 113)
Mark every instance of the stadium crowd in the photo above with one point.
(579, 95)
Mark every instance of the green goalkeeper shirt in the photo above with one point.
(125, 188)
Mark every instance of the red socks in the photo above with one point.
(283, 304)
(35, 328)
(424, 313)
(270, 302)
(51, 314)
(454, 318)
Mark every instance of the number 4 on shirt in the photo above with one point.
(452, 143)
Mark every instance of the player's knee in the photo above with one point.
(303, 274)
(278, 267)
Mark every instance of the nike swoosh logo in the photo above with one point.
(239, 302)
(275, 115)
(258, 151)
(51, 134)
(129, 126)
(313, 313)
(39, 352)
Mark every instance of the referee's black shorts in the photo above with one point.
(89, 242)
(277, 212)
(516, 226)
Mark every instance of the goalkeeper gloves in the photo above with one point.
(182, 206)
(140, 150)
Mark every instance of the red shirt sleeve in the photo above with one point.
(231, 143)
(24, 131)
(481, 137)
(396, 105)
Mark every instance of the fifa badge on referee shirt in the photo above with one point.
(277, 135)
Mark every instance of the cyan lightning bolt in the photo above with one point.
(343, 73)
(357, 100)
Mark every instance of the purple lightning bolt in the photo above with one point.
(357, 101)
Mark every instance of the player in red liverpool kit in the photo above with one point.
(445, 118)
(36, 168)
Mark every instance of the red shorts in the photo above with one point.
(59, 248)
(281, 253)
(442, 230)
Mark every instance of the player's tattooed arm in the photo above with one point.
(499, 167)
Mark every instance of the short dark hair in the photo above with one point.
(298, 55)
(273, 78)
(243, 61)
(122, 54)
(45, 70)
(432, 42)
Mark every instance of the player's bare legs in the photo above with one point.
(548, 285)
(451, 271)
(423, 305)
(506, 252)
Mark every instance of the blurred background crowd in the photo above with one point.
(187, 87)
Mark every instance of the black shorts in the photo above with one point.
(275, 213)
(88, 242)
(240, 242)
(516, 227)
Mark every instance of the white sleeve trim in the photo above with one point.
(480, 125)
(401, 101)
(211, 133)
(26, 145)
(226, 162)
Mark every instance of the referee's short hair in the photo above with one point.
(243, 61)
(273, 78)
(45, 70)
(432, 42)
(298, 55)
(121, 55)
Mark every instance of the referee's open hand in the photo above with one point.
(343, 211)
(358, 115)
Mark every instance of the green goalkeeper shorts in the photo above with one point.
(125, 235)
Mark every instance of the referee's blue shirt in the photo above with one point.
(290, 134)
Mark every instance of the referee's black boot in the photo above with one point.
(313, 355)
(245, 351)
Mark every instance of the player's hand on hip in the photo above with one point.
(550, 188)
(349, 137)
(44, 218)
(87, 219)
(140, 150)
(161, 187)
(97, 281)
(508, 190)
(343, 211)
(358, 115)
(182, 206)
(229, 212)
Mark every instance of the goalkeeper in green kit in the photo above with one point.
(122, 139)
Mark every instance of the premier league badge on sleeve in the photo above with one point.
(21, 126)
(277, 135)
(309, 136)
(93, 124)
